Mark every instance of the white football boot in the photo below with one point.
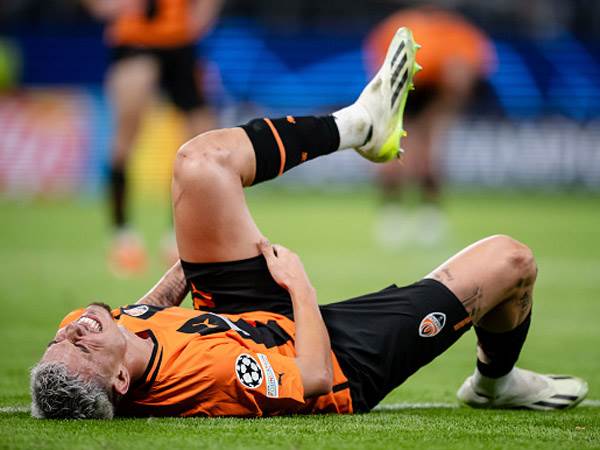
(524, 389)
(384, 99)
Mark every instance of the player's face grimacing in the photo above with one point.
(91, 346)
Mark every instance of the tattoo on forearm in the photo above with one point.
(170, 290)
(171, 293)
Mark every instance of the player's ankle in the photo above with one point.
(354, 124)
(492, 386)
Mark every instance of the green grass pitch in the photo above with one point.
(53, 260)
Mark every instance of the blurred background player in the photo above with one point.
(455, 57)
(153, 43)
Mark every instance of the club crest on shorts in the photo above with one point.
(432, 324)
(248, 371)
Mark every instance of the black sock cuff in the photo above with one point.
(333, 131)
(281, 144)
(502, 349)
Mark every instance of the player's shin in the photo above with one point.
(497, 354)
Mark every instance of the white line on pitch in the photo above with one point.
(14, 409)
(399, 406)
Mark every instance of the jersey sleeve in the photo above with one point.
(255, 384)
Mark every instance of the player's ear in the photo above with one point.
(121, 381)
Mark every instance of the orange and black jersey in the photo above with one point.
(211, 364)
(157, 23)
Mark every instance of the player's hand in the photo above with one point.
(285, 267)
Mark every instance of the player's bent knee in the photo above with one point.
(517, 257)
(523, 261)
(201, 159)
(206, 148)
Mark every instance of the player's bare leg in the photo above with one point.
(197, 121)
(212, 221)
(130, 83)
(494, 280)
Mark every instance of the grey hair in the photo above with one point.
(58, 394)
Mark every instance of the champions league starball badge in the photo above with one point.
(248, 371)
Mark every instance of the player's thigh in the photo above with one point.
(212, 220)
(493, 274)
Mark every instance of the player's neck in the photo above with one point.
(137, 355)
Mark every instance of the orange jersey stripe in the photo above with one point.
(280, 145)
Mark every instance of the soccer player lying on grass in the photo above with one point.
(256, 342)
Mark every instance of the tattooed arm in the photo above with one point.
(170, 290)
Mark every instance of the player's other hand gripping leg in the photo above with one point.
(385, 96)
(523, 389)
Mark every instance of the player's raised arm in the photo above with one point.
(313, 347)
(170, 290)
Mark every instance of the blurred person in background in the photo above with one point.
(153, 43)
(455, 57)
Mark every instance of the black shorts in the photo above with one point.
(379, 339)
(179, 75)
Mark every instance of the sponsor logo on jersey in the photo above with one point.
(136, 311)
(432, 324)
(272, 383)
(248, 371)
